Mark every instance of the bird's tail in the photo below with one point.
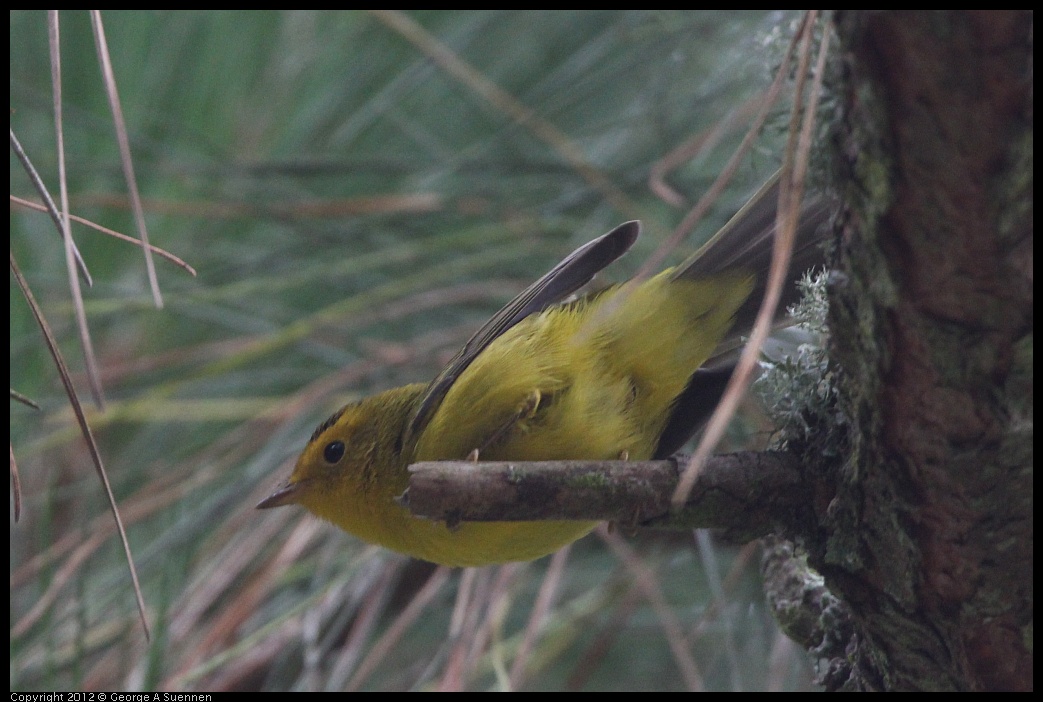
(746, 242)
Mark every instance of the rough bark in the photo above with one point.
(925, 525)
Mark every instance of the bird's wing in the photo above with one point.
(575, 271)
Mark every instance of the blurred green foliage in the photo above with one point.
(353, 211)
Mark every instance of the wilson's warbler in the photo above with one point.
(610, 375)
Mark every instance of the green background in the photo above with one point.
(354, 212)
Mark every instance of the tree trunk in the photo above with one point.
(924, 505)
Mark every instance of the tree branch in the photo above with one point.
(749, 494)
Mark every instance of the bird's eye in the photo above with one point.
(333, 452)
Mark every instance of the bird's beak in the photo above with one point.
(288, 494)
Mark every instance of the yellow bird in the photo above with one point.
(609, 375)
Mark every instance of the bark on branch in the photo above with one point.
(749, 494)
